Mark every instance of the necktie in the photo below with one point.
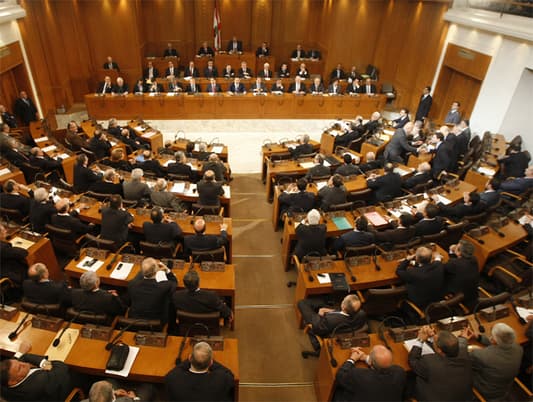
(368, 89)
(103, 90)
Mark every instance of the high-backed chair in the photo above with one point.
(13, 215)
(55, 309)
(437, 310)
(64, 241)
(186, 321)
(139, 324)
(217, 254)
(381, 302)
(159, 250)
(87, 317)
(96, 241)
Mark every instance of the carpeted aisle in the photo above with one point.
(271, 368)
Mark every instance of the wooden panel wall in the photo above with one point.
(68, 41)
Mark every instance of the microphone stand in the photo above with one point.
(13, 335)
(184, 340)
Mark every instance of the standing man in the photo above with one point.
(424, 105)
(398, 145)
(454, 115)
(25, 109)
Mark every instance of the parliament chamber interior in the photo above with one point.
(266, 200)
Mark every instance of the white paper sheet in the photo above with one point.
(49, 148)
(178, 187)
(426, 350)
(134, 351)
(323, 278)
(217, 149)
(121, 270)
(443, 199)
(524, 312)
(307, 165)
(4, 171)
(41, 139)
(93, 268)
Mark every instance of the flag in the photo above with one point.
(216, 28)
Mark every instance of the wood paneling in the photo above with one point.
(10, 56)
(467, 61)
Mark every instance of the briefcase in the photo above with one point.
(118, 357)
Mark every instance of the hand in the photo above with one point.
(322, 311)
(223, 227)
(357, 354)
(47, 365)
(529, 318)
(24, 347)
(453, 248)
(123, 392)
(113, 292)
(425, 333)
(467, 333)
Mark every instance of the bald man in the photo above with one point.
(40, 289)
(201, 241)
(64, 220)
(382, 381)
(209, 189)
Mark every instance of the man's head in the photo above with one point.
(38, 271)
(201, 356)
(40, 195)
(36, 151)
(149, 267)
(380, 357)
(337, 180)
(137, 174)
(160, 185)
(209, 175)
(319, 159)
(529, 171)
(115, 201)
(13, 371)
(191, 280)
(82, 160)
(156, 215)
(423, 255)
(427, 90)
(388, 168)
(120, 81)
(447, 344)
(347, 158)
(361, 223)
(89, 281)
(11, 186)
(493, 184)
(180, 157)
(465, 249)
(424, 167)
(317, 81)
(408, 128)
(351, 304)
(109, 175)
(456, 105)
(313, 217)
(431, 211)
(62, 205)
(72, 126)
(503, 334)
(370, 156)
(199, 226)
(302, 184)
(101, 391)
(375, 116)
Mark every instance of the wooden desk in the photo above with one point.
(493, 243)
(286, 106)
(235, 60)
(274, 149)
(147, 134)
(477, 179)
(377, 149)
(14, 174)
(455, 193)
(161, 63)
(181, 145)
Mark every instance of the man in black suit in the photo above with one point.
(107, 185)
(39, 159)
(151, 291)
(298, 53)
(199, 241)
(228, 72)
(316, 88)
(338, 73)
(161, 229)
(120, 88)
(165, 199)
(358, 237)
(41, 210)
(191, 71)
(296, 198)
(520, 184)
(200, 378)
(209, 189)
(398, 145)
(430, 223)
(25, 109)
(11, 198)
(324, 320)
(351, 133)
(150, 164)
(445, 158)
(314, 54)
(237, 87)
(491, 196)
(454, 115)
(170, 51)
(303, 73)
(262, 51)
(278, 88)
(99, 144)
(381, 381)
(258, 87)
(105, 87)
(213, 87)
(462, 134)
(244, 71)
(110, 64)
(12, 259)
(93, 299)
(67, 221)
(193, 87)
(216, 165)
(310, 236)
(422, 175)
(424, 278)
(349, 167)
(445, 375)
(210, 71)
(514, 164)
(318, 170)
(402, 120)
(372, 125)
(199, 301)
(29, 377)
(424, 105)
(385, 187)
(333, 193)
(369, 88)
(461, 273)
(303, 148)
(38, 288)
(283, 71)
(171, 70)
(297, 87)
(335, 88)
(7, 118)
(116, 221)
(83, 176)
(150, 73)
(471, 205)
(180, 166)
(234, 46)
(401, 234)
(205, 50)
(354, 88)
(265, 72)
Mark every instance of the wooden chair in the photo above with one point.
(64, 241)
(186, 323)
(87, 317)
(159, 250)
(381, 302)
(55, 309)
(453, 235)
(13, 215)
(217, 254)
(345, 206)
(437, 310)
(96, 241)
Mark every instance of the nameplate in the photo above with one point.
(394, 255)
(347, 341)
(358, 260)
(404, 334)
(147, 338)
(7, 313)
(96, 253)
(47, 323)
(216, 342)
(212, 266)
(213, 218)
(132, 259)
(173, 263)
(494, 313)
(453, 323)
(91, 331)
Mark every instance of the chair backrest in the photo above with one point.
(453, 235)
(90, 154)
(415, 241)
(30, 172)
(485, 302)
(345, 206)
(129, 203)
(383, 301)
(361, 250)
(363, 195)
(217, 254)
(434, 238)
(157, 250)
(443, 308)
(186, 321)
(422, 187)
(205, 209)
(178, 177)
(62, 183)
(12, 215)
(387, 87)
(305, 156)
(99, 196)
(87, 317)
(63, 240)
(39, 308)
(138, 324)
(477, 218)
(93, 241)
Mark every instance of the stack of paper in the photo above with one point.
(89, 265)
(375, 219)
(217, 149)
(122, 270)
(307, 165)
(178, 187)
(4, 171)
(426, 349)
(42, 139)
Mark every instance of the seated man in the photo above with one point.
(217, 166)
(74, 137)
(107, 185)
(311, 236)
(461, 273)
(41, 210)
(316, 88)
(335, 88)
(12, 199)
(193, 87)
(371, 162)
(198, 301)
(491, 196)
(324, 320)
(349, 167)
(161, 230)
(148, 163)
(29, 377)
(258, 86)
(386, 187)
(354, 132)
(205, 50)
(200, 378)
(213, 87)
(69, 221)
(237, 87)
(151, 291)
(382, 381)
(471, 205)
(430, 223)
(319, 170)
(296, 198)
(402, 120)
(304, 148)
(520, 184)
(401, 234)
(117, 161)
(91, 298)
(163, 198)
(514, 164)
(99, 144)
(135, 189)
(181, 167)
(422, 175)
(332, 194)
(245, 72)
(110, 390)
(39, 159)
(39, 288)
(116, 221)
(200, 241)
(12, 260)
(358, 237)
(203, 154)
(209, 190)
(211, 72)
(283, 71)
(83, 175)
(298, 87)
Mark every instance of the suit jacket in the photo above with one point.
(302, 149)
(16, 157)
(9, 119)
(424, 283)
(424, 105)
(262, 51)
(216, 89)
(514, 164)
(181, 168)
(316, 89)
(228, 74)
(200, 302)
(302, 201)
(105, 187)
(426, 227)
(231, 46)
(40, 214)
(386, 187)
(397, 147)
(217, 167)
(314, 54)
(210, 73)
(265, 74)
(150, 300)
(41, 385)
(237, 88)
(113, 66)
(45, 163)
(15, 201)
(490, 198)
(254, 88)
(25, 110)
(98, 302)
(462, 275)
(105, 88)
(152, 165)
(518, 185)
(175, 72)
(463, 139)
(190, 90)
(246, 73)
(353, 238)
(324, 325)
(209, 192)
(318, 171)
(170, 53)
(120, 89)
(188, 72)
(355, 89)
(345, 139)
(369, 384)
(399, 235)
(284, 74)
(292, 87)
(331, 196)
(118, 165)
(162, 232)
(206, 51)
(441, 378)
(146, 73)
(47, 292)
(311, 238)
(401, 121)
(417, 178)
(458, 211)
(495, 368)
(337, 74)
(303, 73)
(201, 242)
(276, 88)
(83, 178)
(294, 54)
(77, 140)
(13, 260)
(348, 170)
(115, 224)
(70, 223)
(335, 90)
(100, 148)
(452, 117)
(166, 199)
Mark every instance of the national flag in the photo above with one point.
(216, 28)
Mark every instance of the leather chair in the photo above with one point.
(139, 324)
(178, 177)
(159, 250)
(480, 218)
(55, 309)
(381, 302)
(90, 154)
(185, 321)
(64, 241)
(437, 310)
(207, 209)
(434, 238)
(484, 302)
(13, 215)
(87, 317)
(98, 196)
(345, 206)
(352, 251)
(361, 195)
(453, 235)
(217, 254)
(96, 241)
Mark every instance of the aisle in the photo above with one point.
(270, 343)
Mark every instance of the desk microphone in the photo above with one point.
(330, 342)
(381, 335)
(513, 305)
(112, 343)
(13, 335)
(115, 257)
(378, 267)
(480, 327)
(184, 340)
(57, 341)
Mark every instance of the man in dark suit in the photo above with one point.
(200, 378)
(199, 241)
(491, 196)
(316, 88)
(29, 377)
(304, 148)
(107, 185)
(237, 87)
(311, 236)
(93, 299)
(165, 199)
(105, 87)
(338, 73)
(100, 145)
(228, 72)
(171, 70)
(83, 176)
(210, 71)
(199, 301)
(385, 187)
(11, 198)
(454, 115)
(398, 145)
(514, 164)
(209, 189)
(430, 223)
(332, 194)
(191, 71)
(424, 278)
(401, 234)
(349, 167)
(161, 230)
(75, 137)
(297, 87)
(314, 54)
(180, 166)
(12, 259)
(283, 71)
(445, 158)
(381, 381)
(262, 51)
(7, 117)
(139, 87)
(216, 165)
(462, 134)
(258, 87)
(151, 291)
(110, 64)
(278, 87)
(335, 88)
(38, 288)
(424, 105)
(116, 221)
(234, 46)
(213, 87)
(244, 71)
(120, 88)
(298, 53)
(67, 221)
(296, 198)
(318, 170)
(157, 88)
(205, 50)
(402, 120)
(39, 159)
(372, 125)
(369, 88)
(461, 273)
(351, 133)
(445, 375)
(25, 109)
(520, 184)
(303, 73)
(324, 320)
(265, 72)
(150, 164)
(471, 205)
(41, 210)
(193, 87)
(422, 175)
(358, 237)
(150, 72)
(170, 51)
(354, 88)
